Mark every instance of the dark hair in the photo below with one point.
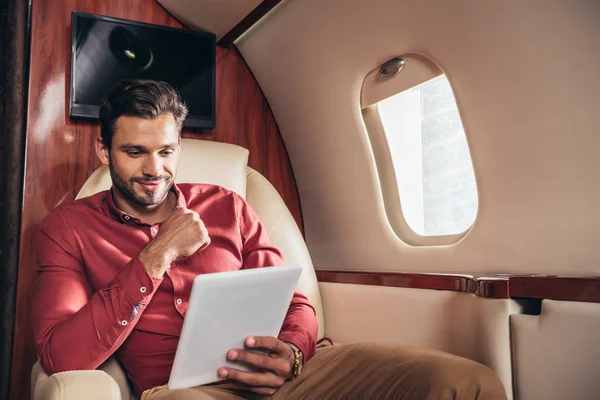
(139, 98)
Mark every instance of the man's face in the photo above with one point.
(143, 158)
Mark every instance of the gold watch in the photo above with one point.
(297, 366)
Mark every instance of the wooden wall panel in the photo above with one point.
(454, 283)
(538, 287)
(60, 154)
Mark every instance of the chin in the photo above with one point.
(151, 199)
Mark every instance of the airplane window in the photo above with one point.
(431, 158)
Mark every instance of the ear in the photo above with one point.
(102, 151)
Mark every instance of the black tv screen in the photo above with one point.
(106, 50)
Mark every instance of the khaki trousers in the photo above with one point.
(366, 371)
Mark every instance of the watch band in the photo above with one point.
(297, 365)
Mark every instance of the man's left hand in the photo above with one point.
(272, 369)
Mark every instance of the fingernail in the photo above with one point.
(233, 355)
(222, 373)
(250, 342)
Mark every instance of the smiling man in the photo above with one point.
(116, 271)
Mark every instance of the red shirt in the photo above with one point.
(94, 297)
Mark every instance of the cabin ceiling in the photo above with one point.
(215, 16)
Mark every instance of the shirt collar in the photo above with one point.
(122, 216)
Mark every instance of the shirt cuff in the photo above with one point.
(292, 339)
(136, 283)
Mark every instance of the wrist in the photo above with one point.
(155, 259)
(296, 361)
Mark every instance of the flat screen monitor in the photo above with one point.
(106, 50)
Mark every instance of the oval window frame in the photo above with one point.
(418, 69)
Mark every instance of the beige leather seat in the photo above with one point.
(201, 162)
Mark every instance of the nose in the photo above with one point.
(152, 166)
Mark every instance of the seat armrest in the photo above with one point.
(73, 385)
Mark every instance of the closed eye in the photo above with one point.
(133, 153)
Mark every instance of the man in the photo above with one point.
(116, 269)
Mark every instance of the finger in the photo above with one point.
(182, 206)
(176, 213)
(267, 342)
(274, 364)
(255, 379)
(205, 244)
(193, 213)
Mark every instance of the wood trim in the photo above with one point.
(496, 287)
(585, 289)
(455, 283)
(556, 288)
(255, 15)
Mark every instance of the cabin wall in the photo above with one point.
(524, 75)
(60, 156)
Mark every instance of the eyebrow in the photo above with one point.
(138, 147)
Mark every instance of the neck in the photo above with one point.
(147, 214)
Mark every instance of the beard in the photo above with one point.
(140, 197)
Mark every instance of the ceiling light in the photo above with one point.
(391, 68)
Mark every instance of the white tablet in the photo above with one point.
(224, 308)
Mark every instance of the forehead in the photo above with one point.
(153, 132)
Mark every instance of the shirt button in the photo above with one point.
(123, 322)
(143, 289)
(178, 301)
(126, 217)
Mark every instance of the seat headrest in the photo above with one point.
(201, 161)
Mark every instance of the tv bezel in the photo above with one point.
(88, 111)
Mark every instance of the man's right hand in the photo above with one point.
(180, 235)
